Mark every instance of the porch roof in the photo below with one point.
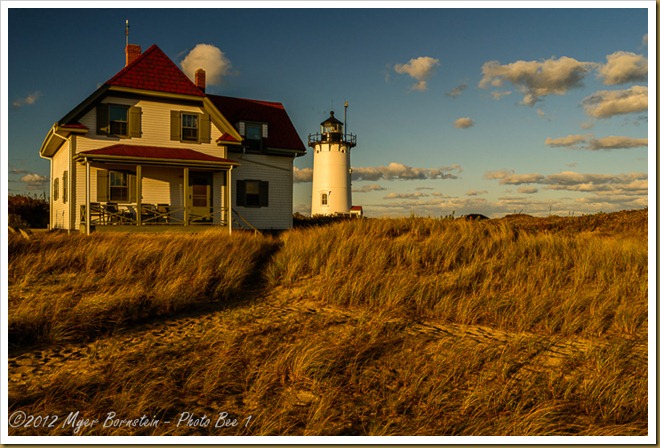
(154, 155)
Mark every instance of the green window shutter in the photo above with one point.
(135, 122)
(102, 186)
(240, 193)
(263, 194)
(102, 121)
(175, 126)
(205, 128)
(65, 187)
(132, 188)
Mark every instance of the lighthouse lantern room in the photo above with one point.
(331, 181)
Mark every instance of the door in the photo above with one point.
(199, 197)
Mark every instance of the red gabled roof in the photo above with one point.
(281, 132)
(153, 70)
(156, 152)
(356, 208)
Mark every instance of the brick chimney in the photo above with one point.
(132, 52)
(200, 79)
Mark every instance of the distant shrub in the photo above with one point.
(28, 211)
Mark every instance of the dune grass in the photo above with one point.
(515, 327)
(65, 287)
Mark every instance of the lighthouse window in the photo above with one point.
(324, 199)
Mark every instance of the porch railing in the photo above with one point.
(105, 214)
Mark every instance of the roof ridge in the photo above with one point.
(253, 100)
(154, 70)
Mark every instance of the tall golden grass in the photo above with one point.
(490, 273)
(65, 287)
(520, 326)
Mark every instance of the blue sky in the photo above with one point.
(489, 111)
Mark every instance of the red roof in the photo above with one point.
(281, 132)
(156, 152)
(356, 208)
(226, 138)
(153, 70)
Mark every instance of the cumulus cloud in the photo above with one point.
(536, 79)
(617, 142)
(607, 103)
(211, 59)
(393, 171)
(368, 188)
(420, 69)
(625, 183)
(34, 180)
(528, 190)
(570, 141)
(463, 122)
(399, 171)
(623, 67)
(456, 91)
(589, 142)
(27, 100)
(302, 175)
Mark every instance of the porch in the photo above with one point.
(139, 192)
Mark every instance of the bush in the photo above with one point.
(28, 211)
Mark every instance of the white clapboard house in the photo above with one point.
(150, 150)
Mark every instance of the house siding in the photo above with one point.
(155, 128)
(278, 172)
(60, 210)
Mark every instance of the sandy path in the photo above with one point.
(278, 306)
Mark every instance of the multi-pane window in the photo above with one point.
(118, 187)
(190, 127)
(56, 189)
(118, 120)
(324, 199)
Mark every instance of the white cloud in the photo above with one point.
(537, 79)
(302, 175)
(209, 58)
(399, 171)
(420, 69)
(607, 103)
(463, 122)
(368, 188)
(623, 67)
(645, 39)
(393, 171)
(617, 142)
(588, 142)
(570, 141)
(528, 190)
(27, 100)
(34, 180)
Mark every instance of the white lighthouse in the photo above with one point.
(331, 183)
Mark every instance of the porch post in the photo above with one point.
(228, 190)
(186, 181)
(138, 193)
(88, 212)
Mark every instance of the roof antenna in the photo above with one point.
(127, 32)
